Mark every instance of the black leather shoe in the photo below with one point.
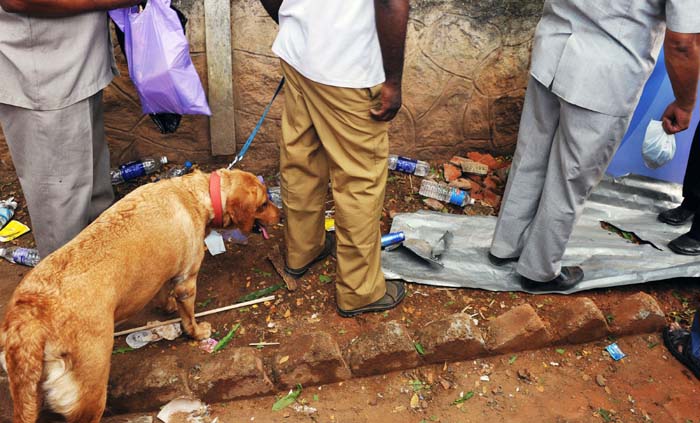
(685, 245)
(676, 217)
(395, 293)
(567, 279)
(497, 261)
(327, 251)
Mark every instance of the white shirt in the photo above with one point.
(332, 42)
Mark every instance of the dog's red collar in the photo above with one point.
(215, 194)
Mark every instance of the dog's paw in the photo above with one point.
(203, 331)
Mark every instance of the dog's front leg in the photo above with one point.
(185, 294)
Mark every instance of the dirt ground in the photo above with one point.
(647, 383)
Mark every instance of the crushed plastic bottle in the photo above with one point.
(444, 193)
(275, 196)
(20, 255)
(179, 171)
(135, 169)
(403, 164)
(7, 210)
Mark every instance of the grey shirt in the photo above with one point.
(52, 63)
(598, 54)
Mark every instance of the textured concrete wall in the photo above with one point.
(466, 71)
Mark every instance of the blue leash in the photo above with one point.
(253, 134)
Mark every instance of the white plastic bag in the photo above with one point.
(659, 147)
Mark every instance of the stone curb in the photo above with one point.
(316, 358)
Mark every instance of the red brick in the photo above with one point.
(486, 159)
(636, 314)
(519, 329)
(461, 183)
(451, 172)
(492, 199)
(491, 183)
(312, 359)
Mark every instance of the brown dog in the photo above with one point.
(59, 326)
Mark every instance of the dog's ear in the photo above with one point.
(242, 191)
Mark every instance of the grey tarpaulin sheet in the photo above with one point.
(631, 204)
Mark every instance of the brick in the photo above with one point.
(235, 373)
(580, 321)
(519, 329)
(451, 172)
(491, 183)
(433, 204)
(491, 198)
(639, 313)
(475, 168)
(485, 159)
(146, 385)
(451, 339)
(385, 348)
(312, 359)
(458, 160)
(461, 183)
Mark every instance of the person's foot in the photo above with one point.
(567, 279)
(497, 261)
(685, 245)
(395, 293)
(327, 251)
(676, 217)
(678, 342)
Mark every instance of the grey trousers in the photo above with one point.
(562, 153)
(62, 162)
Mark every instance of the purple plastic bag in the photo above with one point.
(159, 60)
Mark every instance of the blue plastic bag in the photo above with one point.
(159, 60)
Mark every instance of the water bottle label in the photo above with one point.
(457, 197)
(20, 256)
(5, 216)
(132, 170)
(406, 165)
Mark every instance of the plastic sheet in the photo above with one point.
(608, 260)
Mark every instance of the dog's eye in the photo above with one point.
(263, 206)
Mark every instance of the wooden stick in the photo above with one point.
(275, 258)
(263, 344)
(202, 314)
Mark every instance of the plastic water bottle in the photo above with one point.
(20, 255)
(7, 210)
(135, 169)
(179, 171)
(275, 196)
(444, 193)
(402, 164)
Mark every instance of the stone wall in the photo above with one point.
(466, 72)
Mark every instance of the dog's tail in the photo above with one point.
(25, 341)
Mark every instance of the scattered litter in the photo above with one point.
(554, 364)
(275, 196)
(235, 236)
(138, 168)
(140, 339)
(615, 352)
(20, 255)
(444, 193)
(122, 350)
(263, 344)
(215, 243)
(13, 230)
(304, 409)
(179, 171)
(601, 381)
(329, 224)
(415, 401)
(433, 204)
(226, 339)
(410, 166)
(288, 399)
(7, 210)
(485, 378)
(419, 348)
(428, 251)
(208, 345)
(393, 239)
(195, 410)
(463, 397)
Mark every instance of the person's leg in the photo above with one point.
(53, 153)
(357, 148)
(102, 192)
(538, 124)
(304, 177)
(583, 147)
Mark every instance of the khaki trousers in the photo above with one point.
(327, 133)
(62, 162)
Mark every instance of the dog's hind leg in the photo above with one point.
(91, 372)
(185, 294)
(165, 300)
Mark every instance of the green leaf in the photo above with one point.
(287, 400)
(651, 345)
(419, 348)
(122, 350)
(342, 332)
(315, 397)
(417, 385)
(205, 302)
(560, 351)
(605, 414)
(226, 339)
(512, 359)
(463, 398)
(325, 279)
(260, 293)
(261, 272)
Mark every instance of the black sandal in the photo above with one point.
(681, 338)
